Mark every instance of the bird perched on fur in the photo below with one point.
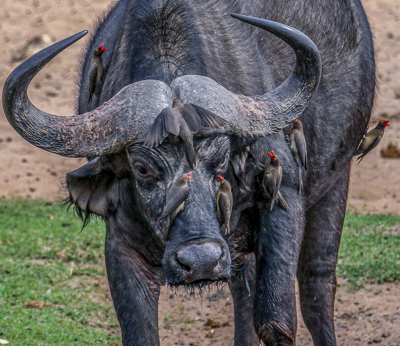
(299, 148)
(224, 204)
(182, 120)
(272, 182)
(175, 198)
(371, 140)
(96, 71)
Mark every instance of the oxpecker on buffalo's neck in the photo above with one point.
(299, 148)
(96, 71)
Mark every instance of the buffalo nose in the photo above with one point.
(201, 261)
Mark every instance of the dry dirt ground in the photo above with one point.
(368, 316)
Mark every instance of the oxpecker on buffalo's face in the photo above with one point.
(151, 187)
(224, 204)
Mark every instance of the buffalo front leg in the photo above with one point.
(242, 286)
(135, 297)
(318, 259)
(277, 251)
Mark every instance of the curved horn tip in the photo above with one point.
(280, 29)
(40, 59)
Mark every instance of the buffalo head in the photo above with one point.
(126, 182)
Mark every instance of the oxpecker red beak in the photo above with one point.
(102, 49)
(386, 123)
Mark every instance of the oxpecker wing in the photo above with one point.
(182, 120)
(168, 121)
(207, 118)
(96, 71)
(299, 148)
(224, 203)
(371, 140)
(175, 198)
(92, 80)
(272, 181)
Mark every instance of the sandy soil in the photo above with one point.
(368, 316)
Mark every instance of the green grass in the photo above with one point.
(370, 249)
(44, 257)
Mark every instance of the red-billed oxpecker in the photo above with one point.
(299, 148)
(175, 199)
(224, 204)
(96, 71)
(272, 182)
(182, 120)
(371, 139)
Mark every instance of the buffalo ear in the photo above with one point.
(93, 187)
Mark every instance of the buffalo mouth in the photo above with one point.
(199, 286)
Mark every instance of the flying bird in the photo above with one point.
(96, 71)
(182, 120)
(272, 182)
(371, 140)
(224, 204)
(299, 148)
(176, 196)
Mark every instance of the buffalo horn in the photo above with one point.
(259, 116)
(129, 114)
(106, 129)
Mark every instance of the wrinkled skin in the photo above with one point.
(266, 248)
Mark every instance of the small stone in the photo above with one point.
(51, 94)
(385, 334)
(210, 334)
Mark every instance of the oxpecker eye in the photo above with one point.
(188, 175)
(295, 121)
(97, 50)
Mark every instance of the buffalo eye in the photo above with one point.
(141, 169)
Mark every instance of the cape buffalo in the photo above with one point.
(259, 78)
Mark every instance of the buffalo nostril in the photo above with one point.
(184, 266)
(200, 260)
